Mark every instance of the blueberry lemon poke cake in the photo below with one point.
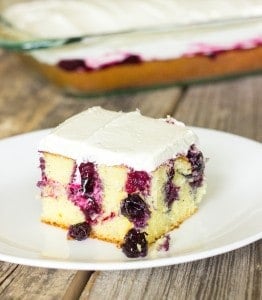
(120, 177)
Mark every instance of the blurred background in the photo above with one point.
(96, 46)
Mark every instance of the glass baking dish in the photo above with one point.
(107, 57)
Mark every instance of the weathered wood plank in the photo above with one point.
(6, 269)
(222, 277)
(234, 106)
(75, 288)
(87, 289)
(24, 100)
(19, 282)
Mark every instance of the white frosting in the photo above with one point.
(117, 138)
(57, 18)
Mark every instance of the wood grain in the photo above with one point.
(74, 289)
(233, 106)
(221, 277)
(20, 282)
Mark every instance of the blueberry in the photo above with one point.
(88, 176)
(72, 64)
(87, 185)
(171, 191)
(196, 159)
(87, 170)
(135, 209)
(79, 231)
(135, 244)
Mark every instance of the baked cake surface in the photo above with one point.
(120, 177)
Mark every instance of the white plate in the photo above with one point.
(229, 217)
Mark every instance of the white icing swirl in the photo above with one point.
(117, 138)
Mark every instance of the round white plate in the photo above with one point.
(229, 217)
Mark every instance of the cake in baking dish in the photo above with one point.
(120, 177)
(156, 43)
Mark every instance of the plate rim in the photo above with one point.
(129, 264)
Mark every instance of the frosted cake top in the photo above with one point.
(118, 138)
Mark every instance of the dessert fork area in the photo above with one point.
(30, 103)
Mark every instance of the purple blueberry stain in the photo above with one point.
(171, 193)
(197, 162)
(79, 65)
(79, 232)
(72, 65)
(88, 177)
(136, 210)
(87, 195)
(138, 181)
(91, 210)
(135, 244)
(165, 243)
(170, 189)
(43, 182)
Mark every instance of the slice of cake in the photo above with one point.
(120, 177)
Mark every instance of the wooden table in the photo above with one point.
(28, 103)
